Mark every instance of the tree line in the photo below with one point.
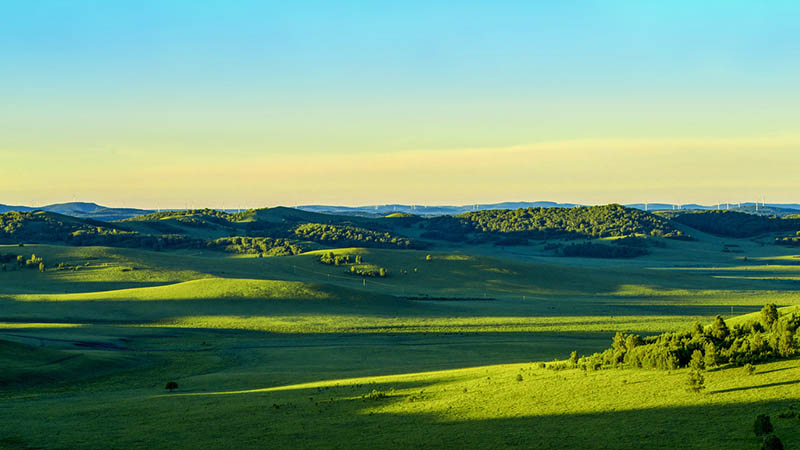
(549, 223)
(771, 336)
(736, 224)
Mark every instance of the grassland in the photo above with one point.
(284, 351)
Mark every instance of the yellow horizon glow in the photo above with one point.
(588, 171)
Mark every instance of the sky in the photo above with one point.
(239, 104)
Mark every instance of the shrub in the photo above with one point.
(711, 357)
(573, 358)
(375, 395)
(762, 425)
(772, 442)
(697, 362)
(696, 381)
(750, 369)
(769, 314)
(519, 377)
(171, 386)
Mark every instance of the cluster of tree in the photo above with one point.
(39, 225)
(736, 224)
(333, 259)
(792, 241)
(594, 250)
(19, 262)
(547, 223)
(772, 336)
(447, 228)
(356, 262)
(351, 236)
(262, 246)
(369, 271)
(286, 239)
(194, 215)
(596, 221)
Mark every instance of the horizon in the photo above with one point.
(634, 204)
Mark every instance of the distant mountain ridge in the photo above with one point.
(83, 210)
(91, 210)
(423, 210)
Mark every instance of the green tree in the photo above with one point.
(762, 425)
(41, 267)
(428, 257)
(382, 272)
(697, 362)
(772, 442)
(695, 381)
(711, 357)
(573, 358)
(769, 315)
(719, 329)
(171, 386)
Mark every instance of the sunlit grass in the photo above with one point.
(336, 323)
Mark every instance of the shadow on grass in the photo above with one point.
(347, 417)
(761, 386)
(776, 370)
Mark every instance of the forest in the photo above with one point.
(771, 336)
(736, 224)
(551, 223)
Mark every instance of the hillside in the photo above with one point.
(736, 224)
(274, 232)
(84, 210)
(550, 223)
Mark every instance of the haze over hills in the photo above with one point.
(89, 210)
(85, 210)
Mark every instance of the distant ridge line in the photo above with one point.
(90, 210)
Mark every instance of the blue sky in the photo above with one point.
(102, 96)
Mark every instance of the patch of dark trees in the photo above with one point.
(791, 241)
(736, 224)
(516, 227)
(772, 336)
(274, 239)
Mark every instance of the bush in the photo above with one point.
(749, 369)
(171, 386)
(762, 425)
(769, 315)
(696, 381)
(772, 442)
(375, 395)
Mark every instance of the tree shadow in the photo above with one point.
(761, 386)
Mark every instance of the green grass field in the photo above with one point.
(285, 351)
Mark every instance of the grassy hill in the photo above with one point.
(451, 341)
(736, 224)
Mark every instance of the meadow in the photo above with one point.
(276, 352)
